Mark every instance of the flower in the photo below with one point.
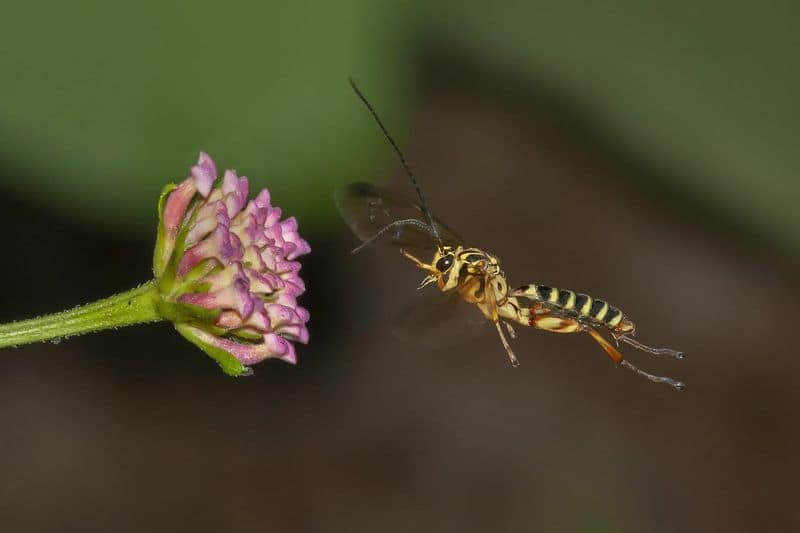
(226, 269)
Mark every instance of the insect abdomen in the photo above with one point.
(580, 304)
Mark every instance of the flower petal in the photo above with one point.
(235, 296)
(204, 174)
(235, 191)
(221, 245)
(250, 354)
(176, 205)
(291, 235)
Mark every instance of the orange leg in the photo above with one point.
(558, 324)
(612, 352)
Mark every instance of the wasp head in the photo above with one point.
(445, 262)
(444, 259)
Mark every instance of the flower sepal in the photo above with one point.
(179, 312)
(164, 244)
(227, 362)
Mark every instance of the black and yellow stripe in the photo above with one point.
(579, 304)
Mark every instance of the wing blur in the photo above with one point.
(367, 209)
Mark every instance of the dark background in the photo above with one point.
(645, 153)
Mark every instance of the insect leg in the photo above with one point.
(674, 383)
(509, 351)
(618, 359)
(511, 332)
(655, 351)
(560, 324)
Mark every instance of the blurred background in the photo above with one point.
(642, 152)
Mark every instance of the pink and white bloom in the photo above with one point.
(227, 269)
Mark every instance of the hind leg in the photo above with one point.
(649, 349)
(560, 324)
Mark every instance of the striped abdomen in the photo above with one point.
(578, 304)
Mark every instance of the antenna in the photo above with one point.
(410, 173)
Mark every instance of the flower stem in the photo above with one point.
(132, 307)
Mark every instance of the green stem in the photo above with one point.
(132, 307)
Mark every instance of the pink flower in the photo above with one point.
(227, 270)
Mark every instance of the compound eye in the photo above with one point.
(443, 264)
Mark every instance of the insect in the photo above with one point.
(475, 275)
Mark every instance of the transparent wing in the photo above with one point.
(368, 210)
(437, 320)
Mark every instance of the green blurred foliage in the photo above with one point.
(103, 102)
(704, 91)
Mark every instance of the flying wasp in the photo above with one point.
(475, 276)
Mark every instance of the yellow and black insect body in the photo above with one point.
(374, 214)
